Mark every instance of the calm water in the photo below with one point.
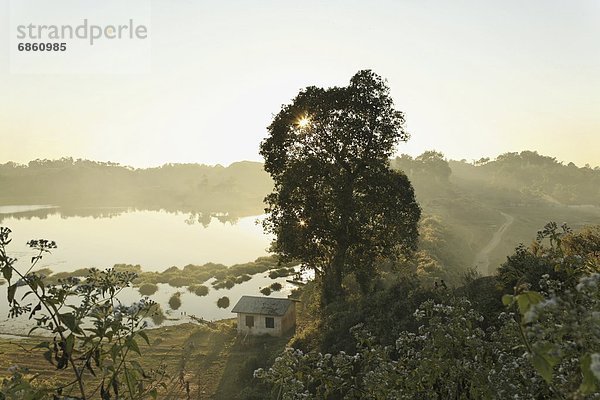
(154, 239)
(201, 307)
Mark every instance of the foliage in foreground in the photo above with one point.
(451, 356)
(91, 335)
(544, 344)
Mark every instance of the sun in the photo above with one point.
(303, 122)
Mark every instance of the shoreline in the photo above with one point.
(7, 337)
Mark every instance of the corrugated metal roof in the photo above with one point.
(262, 305)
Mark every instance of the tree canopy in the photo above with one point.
(337, 206)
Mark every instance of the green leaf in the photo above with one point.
(115, 386)
(7, 272)
(154, 393)
(70, 321)
(144, 336)
(132, 378)
(132, 344)
(543, 360)
(508, 299)
(589, 382)
(114, 352)
(35, 309)
(527, 299)
(88, 366)
(104, 394)
(11, 292)
(542, 366)
(70, 344)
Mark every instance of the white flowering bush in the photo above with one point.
(449, 357)
(560, 330)
(298, 375)
(512, 375)
(544, 345)
(547, 348)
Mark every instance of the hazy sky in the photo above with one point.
(474, 78)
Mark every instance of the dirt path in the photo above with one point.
(482, 260)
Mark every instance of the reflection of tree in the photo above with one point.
(66, 212)
(198, 217)
(223, 218)
(203, 218)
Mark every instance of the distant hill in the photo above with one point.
(238, 189)
(474, 213)
(531, 175)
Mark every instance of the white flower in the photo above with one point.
(588, 281)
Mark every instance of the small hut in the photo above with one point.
(265, 315)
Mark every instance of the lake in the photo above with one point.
(156, 240)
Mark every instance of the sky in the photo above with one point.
(474, 79)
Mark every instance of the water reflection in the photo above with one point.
(20, 209)
(192, 307)
(203, 218)
(155, 239)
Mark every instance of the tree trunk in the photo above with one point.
(332, 279)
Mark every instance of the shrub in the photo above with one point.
(148, 289)
(243, 278)
(72, 347)
(281, 272)
(223, 302)
(156, 314)
(175, 301)
(198, 290)
(224, 283)
(179, 281)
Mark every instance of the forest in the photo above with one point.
(237, 189)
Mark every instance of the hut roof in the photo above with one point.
(262, 305)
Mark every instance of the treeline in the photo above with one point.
(525, 176)
(238, 188)
(462, 204)
(531, 174)
(461, 201)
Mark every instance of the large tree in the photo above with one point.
(337, 206)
